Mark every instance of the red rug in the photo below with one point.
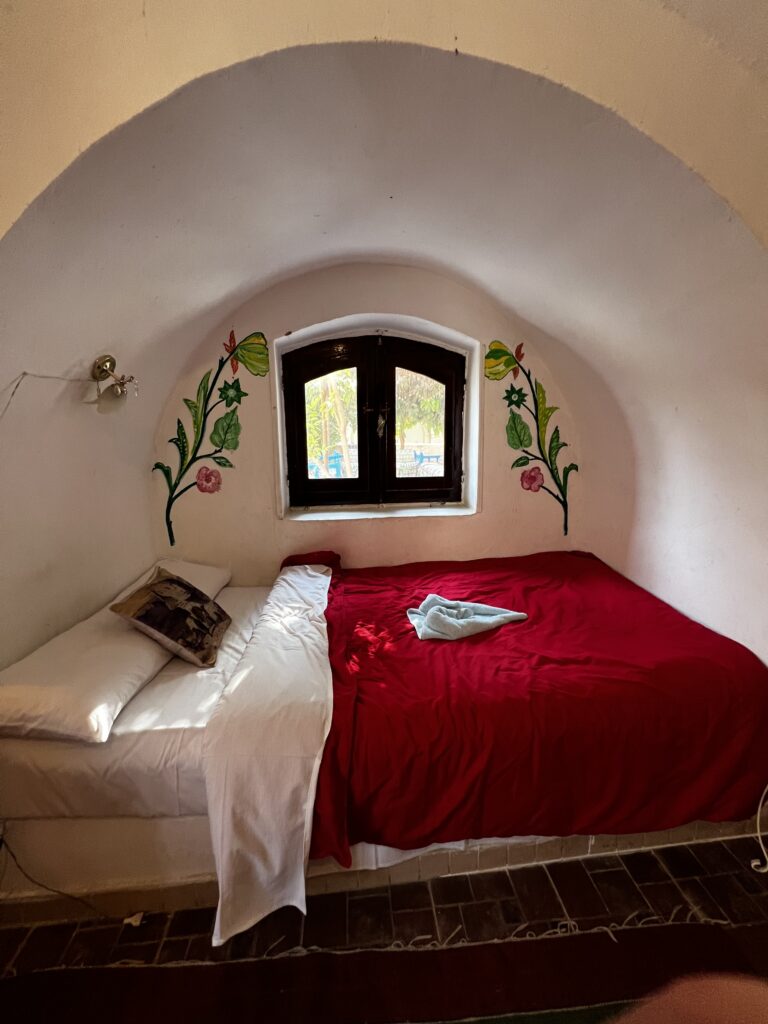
(490, 980)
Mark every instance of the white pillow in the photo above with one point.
(75, 686)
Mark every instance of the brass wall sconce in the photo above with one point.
(104, 369)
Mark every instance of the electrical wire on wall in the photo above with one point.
(16, 383)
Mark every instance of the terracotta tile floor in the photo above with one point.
(712, 880)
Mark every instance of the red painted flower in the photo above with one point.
(230, 346)
(531, 479)
(519, 357)
(208, 480)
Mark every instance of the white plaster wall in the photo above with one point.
(240, 525)
(536, 210)
(688, 73)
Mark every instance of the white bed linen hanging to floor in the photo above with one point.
(262, 751)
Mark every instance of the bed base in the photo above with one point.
(124, 865)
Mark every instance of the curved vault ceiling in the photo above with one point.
(552, 204)
(561, 211)
(689, 73)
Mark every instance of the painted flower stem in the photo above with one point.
(500, 361)
(252, 354)
(562, 497)
(174, 493)
(206, 414)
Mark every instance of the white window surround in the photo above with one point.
(401, 326)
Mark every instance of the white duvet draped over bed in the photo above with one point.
(262, 752)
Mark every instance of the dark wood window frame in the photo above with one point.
(375, 358)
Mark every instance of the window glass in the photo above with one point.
(330, 404)
(372, 420)
(419, 424)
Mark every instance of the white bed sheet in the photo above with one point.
(262, 753)
(151, 765)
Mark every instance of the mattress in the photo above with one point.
(151, 765)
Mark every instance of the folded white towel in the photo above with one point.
(437, 618)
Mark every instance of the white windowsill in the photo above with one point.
(317, 514)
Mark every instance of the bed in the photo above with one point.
(607, 711)
(152, 764)
(328, 730)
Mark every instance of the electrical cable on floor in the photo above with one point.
(4, 845)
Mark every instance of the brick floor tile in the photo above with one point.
(716, 858)
(491, 885)
(701, 901)
(411, 896)
(738, 905)
(325, 925)
(134, 953)
(536, 895)
(451, 889)
(370, 922)
(602, 862)
(745, 849)
(680, 862)
(644, 867)
(414, 926)
(666, 899)
(151, 929)
(172, 951)
(43, 947)
(620, 894)
(196, 921)
(91, 947)
(576, 889)
(484, 921)
(10, 940)
(277, 933)
(450, 925)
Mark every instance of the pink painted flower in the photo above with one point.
(531, 479)
(208, 480)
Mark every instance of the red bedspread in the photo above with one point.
(606, 712)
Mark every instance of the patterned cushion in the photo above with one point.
(178, 616)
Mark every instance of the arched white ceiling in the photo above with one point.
(689, 73)
(608, 252)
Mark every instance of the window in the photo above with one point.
(373, 420)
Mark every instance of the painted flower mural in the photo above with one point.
(208, 480)
(251, 353)
(500, 361)
(531, 479)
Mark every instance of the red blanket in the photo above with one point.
(605, 712)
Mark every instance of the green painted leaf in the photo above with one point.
(498, 361)
(192, 406)
(519, 462)
(224, 462)
(518, 432)
(181, 443)
(226, 431)
(200, 406)
(555, 445)
(253, 353)
(166, 471)
(572, 468)
(546, 413)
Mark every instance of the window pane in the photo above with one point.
(419, 424)
(331, 407)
